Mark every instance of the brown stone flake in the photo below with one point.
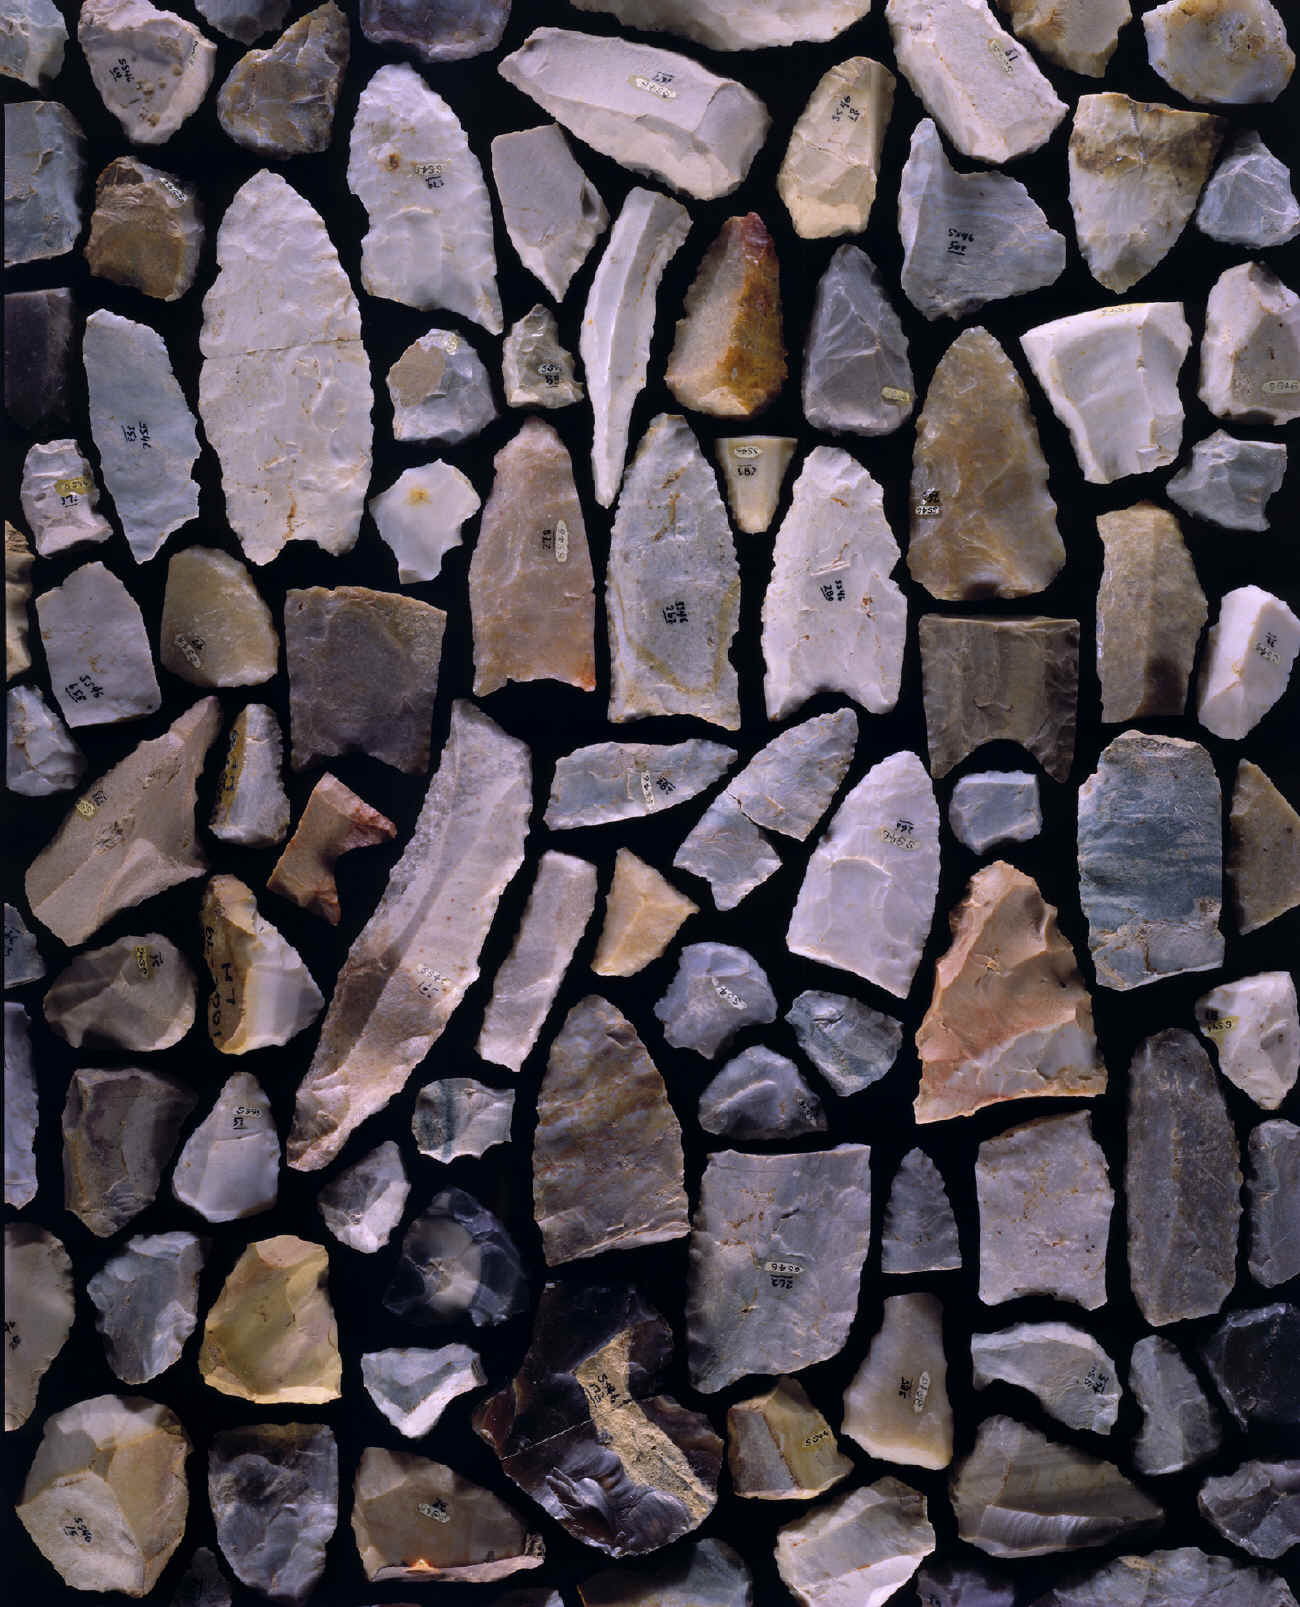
(334, 822)
(781, 1448)
(1263, 850)
(643, 913)
(146, 230)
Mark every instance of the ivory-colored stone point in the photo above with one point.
(753, 474)
(643, 913)
(832, 164)
(215, 630)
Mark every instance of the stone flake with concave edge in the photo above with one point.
(920, 1231)
(1233, 52)
(413, 1387)
(436, 30)
(146, 1301)
(273, 1489)
(120, 1128)
(38, 1313)
(628, 780)
(781, 1448)
(1078, 34)
(643, 913)
(97, 649)
(717, 991)
(1071, 1375)
(1250, 351)
(1179, 1426)
(60, 497)
(421, 515)
(856, 375)
(1249, 200)
(230, 1166)
(1246, 668)
(896, 1407)
(365, 1201)
(831, 166)
(457, 1261)
(552, 211)
(1229, 482)
(760, 1095)
(270, 1335)
(170, 65)
(263, 994)
(851, 1044)
(859, 1548)
(1273, 1190)
(334, 822)
(460, 1116)
(137, 993)
(1255, 1028)
(1263, 850)
(281, 101)
(251, 807)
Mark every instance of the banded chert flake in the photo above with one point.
(461, 1116)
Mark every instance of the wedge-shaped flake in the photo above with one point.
(96, 649)
(1257, 1507)
(251, 807)
(1150, 860)
(643, 914)
(460, 1116)
(20, 1108)
(420, 517)
(39, 347)
(263, 995)
(1263, 850)
(736, 24)
(1229, 482)
(781, 1448)
(146, 1302)
(280, 101)
(1078, 34)
(717, 992)
(789, 783)
(245, 20)
(130, 836)
(38, 1313)
(1234, 52)
(137, 993)
(920, 1231)
(437, 30)
(1071, 1375)
(143, 428)
(896, 1407)
(270, 1336)
(536, 370)
(364, 1203)
(334, 823)
(40, 756)
(215, 629)
(146, 231)
(856, 374)
(531, 592)
(1044, 1206)
(44, 168)
(727, 850)
(457, 1261)
(626, 780)
(32, 44)
(759, 1095)
(230, 1166)
(851, 1044)
(169, 65)
(619, 321)
(273, 1489)
(1255, 1029)
(1249, 200)
(284, 389)
(994, 806)
(120, 1128)
(860, 1548)
(1250, 352)
(60, 497)
(1188, 1576)
(833, 620)
(1254, 1359)
(412, 1388)
(553, 213)
(868, 895)
(413, 961)
(22, 954)
(1274, 1193)
(831, 166)
(1179, 1425)
(1248, 660)
(753, 473)
(776, 1256)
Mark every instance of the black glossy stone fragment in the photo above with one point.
(457, 1261)
(1254, 1359)
(38, 356)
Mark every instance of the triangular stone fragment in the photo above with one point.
(860, 1547)
(120, 1128)
(781, 1448)
(273, 1489)
(215, 630)
(920, 1231)
(38, 1314)
(850, 1043)
(280, 101)
(552, 211)
(270, 1336)
(412, 1388)
(230, 1166)
(263, 994)
(1078, 34)
(831, 166)
(753, 474)
(1263, 850)
(251, 807)
(334, 822)
(170, 65)
(643, 913)
(789, 783)
(365, 1201)
(1249, 200)
(137, 993)
(1254, 1026)
(759, 1095)
(856, 375)
(897, 1407)
(611, 781)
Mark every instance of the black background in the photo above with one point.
(553, 719)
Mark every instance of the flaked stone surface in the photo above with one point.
(1018, 1494)
(700, 138)
(32, 41)
(245, 20)
(203, 1584)
(1150, 613)
(440, 390)
(284, 389)
(38, 373)
(969, 238)
(60, 497)
(146, 230)
(707, 1573)
(536, 370)
(412, 1388)
(146, 1301)
(430, 238)
(1063, 1366)
(1179, 1426)
(40, 756)
(263, 994)
(143, 428)
(1229, 482)
(726, 849)
(170, 64)
(1233, 52)
(831, 166)
(979, 85)
(758, 1095)
(1136, 170)
(1010, 1017)
(859, 1548)
(137, 993)
(991, 679)
(44, 168)
(120, 1128)
(230, 1166)
(437, 30)
(896, 1408)
(1111, 375)
(1257, 1507)
(113, 1468)
(1254, 1359)
(1255, 1029)
(280, 101)
(274, 1488)
(96, 649)
(20, 1107)
(1080, 35)
(251, 807)
(333, 823)
(22, 955)
(1249, 200)
(18, 562)
(780, 1447)
(643, 913)
(919, 1233)
(718, 990)
(38, 1314)
(1273, 1196)
(964, 1584)
(552, 211)
(215, 628)
(270, 1335)
(461, 1116)
(1249, 656)
(753, 475)
(607, 1156)
(1044, 1207)
(851, 1044)
(1263, 850)
(531, 592)
(421, 516)
(457, 1261)
(995, 806)
(582, 1431)
(365, 1201)
(777, 1250)
(789, 783)
(611, 781)
(1150, 860)
(833, 619)
(736, 24)
(857, 375)
(1250, 351)
(1191, 1577)
(983, 522)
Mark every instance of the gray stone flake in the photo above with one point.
(553, 213)
(364, 1202)
(21, 1108)
(440, 390)
(995, 806)
(856, 374)
(146, 1301)
(280, 101)
(412, 1388)
(717, 991)
(274, 1491)
(1063, 1366)
(1179, 1427)
(851, 1044)
(44, 168)
(1249, 200)
(1188, 1577)
(1229, 482)
(1257, 1507)
(726, 849)
(22, 955)
(920, 1231)
(33, 35)
(612, 781)
(1273, 1195)
(96, 649)
(760, 1095)
(40, 756)
(461, 1116)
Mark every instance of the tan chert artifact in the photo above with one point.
(1263, 850)
(120, 1128)
(897, 1406)
(753, 474)
(97, 649)
(1078, 34)
(552, 211)
(251, 807)
(230, 1166)
(781, 1448)
(170, 65)
(131, 835)
(1254, 1026)
(1233, 52)
(215, 629)
(38, 1314)
(1248, 660)
(270, 1336)
(263, 994)
(536, 370)
(18, 593)
(334, 822)
(531, 592)
(643, 913)
(832, 163)
(60, 498)
(137, 993)
(146, 230)
(857, 1550)
(1250, 352)
(280, 101)
(420, 517)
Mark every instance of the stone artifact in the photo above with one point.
(983, 89)
(119, 1462)
(245, 20)
(753, 474)
(146, 1302)
(531, 593)
(607, 1156)
(437, 30)
(457, 1261)
(460, 1116)
(1190, 1577)
(170, 65)
(1229, 482)
(440, 390)
(789, 783)
(717, 991)
(38, 372)
(1111, 376)
(1044, 1205)
(1080, 35)
(582, 1432)
(416, 1520)
(40, 756)
(737, 24)
(612, 781)
(781, 1448)
(22, 955)
(263, 995)
(363, 674)
(776, 1256)
(120, 1128)
(230, 1166)
(552, 211)
(146, 230)
(643, 913)
(284, 389)
(1263, 850)
(202, 1584)
(727, 850)
(421, 516)
(60, 497)
(619, 321)
(1150, 613)
(20, 1108)
(215, 629)
(851, 1044)
(274, 1489)
(280, 101)
(18, 584)
(412, 1388)
(1150, 860)
(413, 961)
(919, 1232)
(333, 823)
(1136, 170)
(536, 370)
(1233, 52)
(897, 1406)
(995, 806)
(96, 649)
(1255, 1029)
(1018, 1494)
(270, 1335)
(1250, 352)
(430, 238)
(32, 42)
(1063, 1366)
(1249, 200)
(989, 679)
(760, 1095)
(1257, 1507)
(833, 620)
(365, 1202)
(709, 1571)
(143, 428)
(1254, 1359)
(860, 1547)
(137, 993)
(965, 1584)
(38, 1314)
(1010, 1017)
(1249, 656)
(1179, 1426)
(1273, 1193)
(251, 807)
(856, 375)
(700, 136)
(44, 167)
(831, 166)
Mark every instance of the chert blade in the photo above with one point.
(280, 101)
(1250, 351)
(169, 65)
(896, 1408)
(457, 1261)
(96, 649)
(1254, 1026)
(753, 474)
(21, 1107)
(273, 1489)
(251, 807)
(146, 230)
(365, 1201)
(536, 370)
(993, 806)
(270, 1335)
(437, 30)
(146, 1302)
(643, 913)
(137, 993)
(627, 780)
(38, 1313)
(1231, 51)
(263, 995)
(789, 783)
(1063, 1366)
(851, 1044)
(860, 1547)
(831, 166)
(421, 515)
(857, 375)
(45, 165)
(1249, 656)
(716, 992)
(1229, 481)
(40, 756)
(919, 1233)
(758, 1095)
(334, 822)
(1249, 200)
(1078, 34)
(230, 1166)
(1263, 850)
(461, 1116)
(1274, 1194)
(412, 1388)
(552, 211)
(60, 498)
(1179, 1426)
(120, 1128)
(780, 1447)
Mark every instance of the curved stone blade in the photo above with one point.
(896, 1408)
(781, 1448)
(856, 374)
(146, 1302)
(39, 1310)
(1263, 850)
(270, 1335)
(859, 1548)
(831, 166)
(552, 211)
(274, 1493)
(627, 780)
(1071, 1375)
